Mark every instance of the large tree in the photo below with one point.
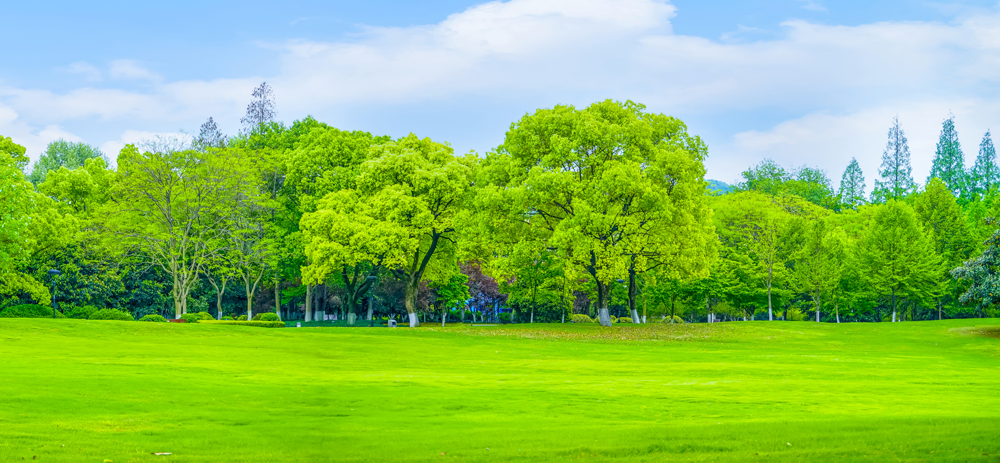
(985, 175)
(401, 215)
(16, 205)
(942, 218)
(608, 186)
(896, 173)
(949, 162)
(852, 185)
(896, 256)
(62, 153)
(172, 206)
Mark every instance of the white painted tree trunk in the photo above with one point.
(351, 318)
(604, 316)
(413, 320)
(532, 315)
(635, 316)
(817, 315)
(309, 311)
(894, 316)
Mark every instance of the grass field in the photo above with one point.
(88, 391)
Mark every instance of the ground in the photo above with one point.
(90, 391)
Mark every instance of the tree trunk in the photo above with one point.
(371, 307)
(602, 305)
(412, 286)
(836, 309)
(939, 308)
(894, 305)
(277, 297)
(770, 313)
(633, 289)
(444, 315)
(817, 306)
(309, 301)
(532, 315)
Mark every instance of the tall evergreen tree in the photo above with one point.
(949, 162)
(985, 175)
(896, 172)
(852, 185)
(260, 111)
(209, 136)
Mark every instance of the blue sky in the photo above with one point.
(802, 81)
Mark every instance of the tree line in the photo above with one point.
(599, 212)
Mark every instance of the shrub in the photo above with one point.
(111, 314)
(81, 312)
(624, 319)
(153, 318)
(228, 318)
(256, 317)
(192, 317)
(29, 311)
(205, 315)
(241, 318)
(677, 319)
(258, 323)
(268, 317)
(504, 318)
(581, 318)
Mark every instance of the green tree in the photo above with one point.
(943, 219)
(985, 175)
(896, 173)
(983, 275)
(402, 214)
(13, 153)
(62, 153)
(896, 256)
(603, 186)
(16, 206)
(852, 185)
(949, 162)
(172, 206)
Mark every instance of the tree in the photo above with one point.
(819, 262)
(603, 186)
(942, 218)
(260, 111)
(985, 175)
(852, 185)
(949, 162)
(400, 216)
(809, 183)
(983, 274)
(895, 254)
(209, 136)
(62, 153)
(172, 205)
(16, 205)
(896, 173)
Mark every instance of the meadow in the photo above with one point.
(97, 391)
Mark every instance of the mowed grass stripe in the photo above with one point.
(925, 391)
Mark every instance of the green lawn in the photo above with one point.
(86, 391)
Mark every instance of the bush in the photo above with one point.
(191, 317)
(29, 311)
(504, 318)
(228, 318)
(241, 318)
(581, 318)
(624, 319)
(111, 314)
(81, 312)
(258, 323)
(267, 317)
(153, 318)
(677, 319)
(205, 315)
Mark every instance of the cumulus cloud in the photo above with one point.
(837, 87)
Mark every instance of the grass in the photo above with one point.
(89, 391)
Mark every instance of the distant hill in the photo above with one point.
(719, 188)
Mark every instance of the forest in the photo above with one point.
(601, 214)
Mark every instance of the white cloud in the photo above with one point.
(839, 85)
(143, 139)
(87, 70)
(132, 70)
(34, 139)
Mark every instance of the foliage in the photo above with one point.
(949, 161)
(191, 317)
(153, 318)
(111, 314)
(896, 173)
(79, 311)
(257, 323)
(852, 186)
(63, 154)
(267, 317)
(29, 311)
(581, 318)
(985, 174)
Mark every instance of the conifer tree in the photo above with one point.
(852, 185)
(985, 175)
(896, 172)
(949, 162)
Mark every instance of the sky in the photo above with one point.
(803, 82)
